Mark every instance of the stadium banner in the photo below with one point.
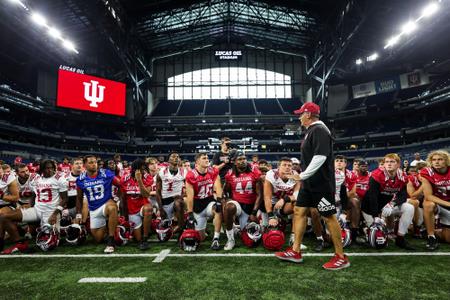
(364, 89)
(415, 78)
(85, 92)
(387, 85)
(228, 54)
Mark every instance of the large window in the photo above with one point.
(229, 83)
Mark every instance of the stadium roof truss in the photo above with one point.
(251, 22)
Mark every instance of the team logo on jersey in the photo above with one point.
(94, 94)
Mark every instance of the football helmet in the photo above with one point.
(64, 223)
(251, 235)
(76, 234)
(273, 239)
(377, 235)
(123, 232)
(164, 230)
(47, 237)
(189, 240)
(346, 235)
(155, 224)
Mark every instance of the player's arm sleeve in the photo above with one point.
(401, 196)
(316, 162)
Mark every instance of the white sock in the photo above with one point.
(216, 235)
(320, 238)
(230, 234)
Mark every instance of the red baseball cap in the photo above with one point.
(308, 107)
(18, 160)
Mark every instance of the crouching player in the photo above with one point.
(96, 185)
(135, 189)
(244, 185)
(202, 183)
(387, 196)
(436, 190)
(50, 189)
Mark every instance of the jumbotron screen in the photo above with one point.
(85, 92)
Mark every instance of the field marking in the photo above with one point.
(363, 254)
(161, 256)
(112, 279)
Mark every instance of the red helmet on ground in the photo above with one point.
(377, 236)
(155, 224)
(273, 239)
(47, 237)
(189, 240)
(164, 230)
(251, 235)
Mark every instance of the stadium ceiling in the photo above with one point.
(167, 26)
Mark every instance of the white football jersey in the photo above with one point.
(5, 180)
(47, 191)
(340, 179)
(26, 190)
(280, 186)
(172, 185)
(71, 184)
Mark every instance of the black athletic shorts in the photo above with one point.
(201, 204)
(323, 201)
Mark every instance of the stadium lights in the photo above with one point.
(372, 57)
(392, 41)
(359, 61)
(69, 45)
(18, 2)
(203, 121)
(39, 19)
(231, 120)
(54, 33)
(429, 10)
(409, 27)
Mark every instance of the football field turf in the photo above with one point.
(397, 276)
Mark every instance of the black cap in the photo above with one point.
(362, 162)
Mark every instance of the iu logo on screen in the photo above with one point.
(91, 95)
(85, 92)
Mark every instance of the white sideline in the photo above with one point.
(161, 256)
(367, 254)
(112, 279)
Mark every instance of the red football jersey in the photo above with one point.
(439, 182)
(243, 186)
(65, 168)
(350, 179)
(130, 188)
(414, 179)
(388, 186)
(202, 183)
(362, 184)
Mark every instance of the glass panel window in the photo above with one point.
(229, 82)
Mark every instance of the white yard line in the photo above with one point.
(112, 279)
(117, 255)
(161, 256)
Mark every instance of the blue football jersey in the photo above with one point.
(98, 190)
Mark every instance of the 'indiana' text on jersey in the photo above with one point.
(98, 190)
(243, 186)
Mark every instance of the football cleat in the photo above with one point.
(290, 255)
(229, 245)
(432, 243)
(109, 249)
(337, 263)
(215, 245)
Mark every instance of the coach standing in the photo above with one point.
(318, 187)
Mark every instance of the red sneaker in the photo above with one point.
(290, 255)
(337, 263)
(19, 247)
